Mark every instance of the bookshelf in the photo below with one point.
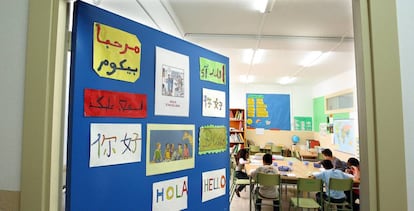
(237, 128)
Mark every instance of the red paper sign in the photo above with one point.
(114, 104)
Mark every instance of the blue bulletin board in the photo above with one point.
(117, 143)
(268, 111)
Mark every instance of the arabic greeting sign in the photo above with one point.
(212, 71)
(214, 103)
(114, 104)
(112, 144)
(170, 194)
(214, 184)
(116, 53)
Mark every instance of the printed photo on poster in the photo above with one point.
(214, 103)
(170, 147)
(213, 184)
(170, 194)
(172, 77)
(112, 144)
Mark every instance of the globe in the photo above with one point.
(295, 139)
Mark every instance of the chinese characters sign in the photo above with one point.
(212, 71)
(116, 104)
(116, 53)
(112, 144)
(214, 103)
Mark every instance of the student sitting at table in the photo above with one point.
(330, 172)
(353, 168)
(337, 164)
(241, 159)
(266, 191)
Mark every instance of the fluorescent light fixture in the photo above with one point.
(321, 58)
(286, 80)
(260, 5)
(310, 58)
(246, 78)
(256, 54)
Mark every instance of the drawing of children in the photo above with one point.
(180, 152)
(173, 153)
(167, 153)
(157, 153)
(186, 152)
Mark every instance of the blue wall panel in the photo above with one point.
(126, 187)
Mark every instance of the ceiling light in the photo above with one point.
(264, 6)
(260, 5)
(286, 80)
(246, 78)
(322, 57)
(251, 56)
(310, 58)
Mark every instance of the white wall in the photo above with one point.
(346, 80)
(13, 19)
(406, 43)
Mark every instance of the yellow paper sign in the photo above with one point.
(116, 53)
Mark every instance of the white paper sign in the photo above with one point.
(170, 194)
(172, 83)
(214, 103)
(112, 144)
(214, 184)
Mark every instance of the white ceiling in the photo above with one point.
(289, 32)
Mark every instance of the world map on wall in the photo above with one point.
(344, 135)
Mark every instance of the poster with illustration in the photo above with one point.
(170, 147)
(171, 83)
(212, 139)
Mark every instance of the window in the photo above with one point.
(339, 102)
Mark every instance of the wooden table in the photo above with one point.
(308, 155)
(299, 170)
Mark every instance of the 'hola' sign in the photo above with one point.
(116, 53)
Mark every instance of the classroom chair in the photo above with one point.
(277, 150)
(234, 180)
(297, 155)
(253, 149)
(305, 187)
(262, 179)
(339, 185)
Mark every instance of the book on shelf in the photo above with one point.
(236, 138)
(238, 115)
(235, 148)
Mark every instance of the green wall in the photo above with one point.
(319, 115)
